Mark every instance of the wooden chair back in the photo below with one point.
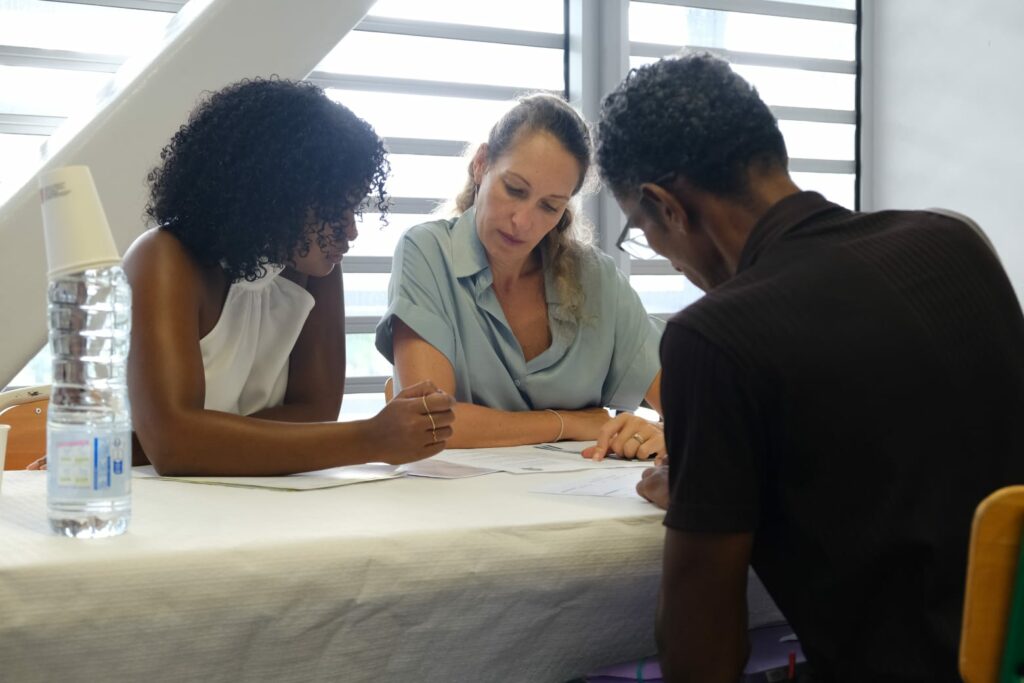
(992, 612)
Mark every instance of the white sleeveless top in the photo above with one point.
(245, 355)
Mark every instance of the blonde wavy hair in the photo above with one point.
(568, 244)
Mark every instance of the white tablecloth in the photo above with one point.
(402, 580)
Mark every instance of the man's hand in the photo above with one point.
(653, 485)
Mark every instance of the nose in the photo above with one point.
(520, 218)
(351, 231)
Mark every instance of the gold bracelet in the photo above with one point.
(561, 424)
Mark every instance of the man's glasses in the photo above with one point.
(632, 239)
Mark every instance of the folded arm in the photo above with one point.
(316, 366)
(167, 387)
(478, 426)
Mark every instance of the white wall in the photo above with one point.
(943, 113)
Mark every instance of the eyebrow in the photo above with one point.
(527, 183)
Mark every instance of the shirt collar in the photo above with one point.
(468, 255)
(783, 216)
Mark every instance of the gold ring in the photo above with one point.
(639, 439)
(433, 425)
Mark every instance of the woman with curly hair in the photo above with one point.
(237, 359)
(510, 308)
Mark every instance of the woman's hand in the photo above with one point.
(630, 437)
(39, 464)
(414, 425)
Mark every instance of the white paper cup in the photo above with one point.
(74, 225)
(3, 450)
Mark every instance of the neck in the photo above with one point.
(734, 220)
(508, 274)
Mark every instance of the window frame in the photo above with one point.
(596, 48)
(591, 76)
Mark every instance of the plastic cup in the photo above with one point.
(3, 450)
(75, 226)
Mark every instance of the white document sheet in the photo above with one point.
(439, 469)
(612, 484)
(305, 481)
(562, 457)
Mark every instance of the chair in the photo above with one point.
(992, 635)
(25, 411)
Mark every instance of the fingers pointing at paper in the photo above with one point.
(629, 436)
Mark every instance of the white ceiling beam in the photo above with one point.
(210, 44)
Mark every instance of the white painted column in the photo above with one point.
(598, 61)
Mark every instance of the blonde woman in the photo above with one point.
(509, 308)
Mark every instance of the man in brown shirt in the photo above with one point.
(836, 406)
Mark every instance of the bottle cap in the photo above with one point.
(75, 227)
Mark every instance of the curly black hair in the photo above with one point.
(691, 115)
(240, 182)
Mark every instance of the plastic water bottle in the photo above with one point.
(88, 426)
(88, 430)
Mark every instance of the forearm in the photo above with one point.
(681, 663)
(299, 412)
(701, 623)
(211, 443)
(316, 365)
(698, 665)
(482, 427)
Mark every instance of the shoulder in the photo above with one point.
(427, 243)
(687, 354)
(966, 226)
(607, 292)
(158, 258)
(429, 236)
(734, 318)
(598, 269)
(157, 248)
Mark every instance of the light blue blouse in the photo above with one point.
(441, 287)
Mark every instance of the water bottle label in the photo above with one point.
(84, 465)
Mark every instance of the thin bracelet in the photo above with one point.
(561, 424)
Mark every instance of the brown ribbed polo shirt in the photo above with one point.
(850, 396)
